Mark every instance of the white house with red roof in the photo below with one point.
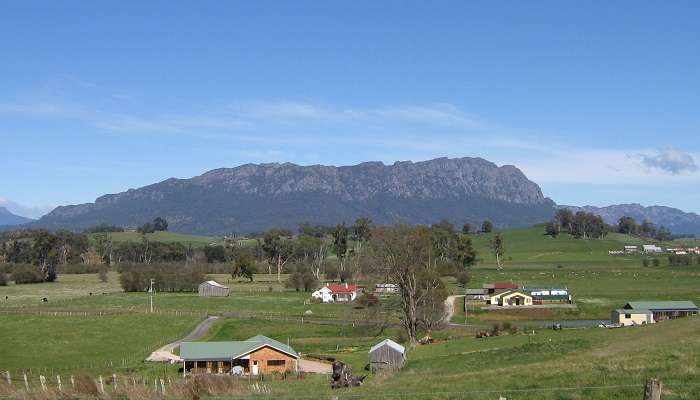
(337, 292)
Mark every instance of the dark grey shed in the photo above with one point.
(387, 354)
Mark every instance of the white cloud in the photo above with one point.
(670, 159)
(25, 211)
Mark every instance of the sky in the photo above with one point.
(596, 101)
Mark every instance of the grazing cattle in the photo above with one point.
(45, 300)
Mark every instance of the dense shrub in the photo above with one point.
(3, 279)
(78, 269)
(27, 274)
(464, 277)
(367, 300)
(168, 277)
(215, 253)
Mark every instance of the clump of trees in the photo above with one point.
(104, 228)
(677, 260)
(25, 273)
(646, 229)
(158, 224)
(168, 277)
(581, 225)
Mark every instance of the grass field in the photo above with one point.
(457, 366)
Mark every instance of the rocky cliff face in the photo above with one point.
(679, 222)
(256, 197)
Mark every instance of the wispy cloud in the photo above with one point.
(25, 211)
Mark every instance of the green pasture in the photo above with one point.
(163, 236)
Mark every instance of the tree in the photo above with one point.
(215, 253)
(627, 225)
(498, 248)
(160, 224)
(102, 274)
(405, 255)
(464, 277)
(564, 217)
(551, 229)
(464, 251)
(146, 228)
(487, 227)
(243, 265)
(362, 229)
(278, 250)
(340, 244)
(466, 228)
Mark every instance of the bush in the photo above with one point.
(656, 262)
(168, 277)
(367, 300)
(102, 275)
(331, 272)
(464, 277)
(645, 262)
(3, 279)
(79, 269)
(22, 274)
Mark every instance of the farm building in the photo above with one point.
(492, 288)
(632, 317)
(212, 289)
(549, 295)
(631, 249)
(386, 288)
(510, 298)
(652, 248)
(476, 295)
(665, 309)
(387, 354)
(337, 293)
(257, 355)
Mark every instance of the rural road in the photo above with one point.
(165, 353)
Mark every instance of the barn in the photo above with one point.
(212, 289)
(387, 354)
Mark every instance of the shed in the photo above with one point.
(387, 354)
(213, 289)
(665, 309)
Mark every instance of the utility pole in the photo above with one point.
(150, 290)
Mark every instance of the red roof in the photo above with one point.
(505, 285)
(342, 288)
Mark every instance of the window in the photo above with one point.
(275, 363)
(628, 315)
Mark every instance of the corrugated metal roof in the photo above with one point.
(390, 343)
(661, 305)
(229, 350)
(215, 283)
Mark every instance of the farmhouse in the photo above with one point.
(212, 289)
(632, 317)
(662, 310)
(631, 249)
(510, 298)
(340, 293)
(387, 354)
(257, 355)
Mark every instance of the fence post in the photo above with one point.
(72, 381)
(42, 379)
(162, 386)
(102, 385)
(9, 380)
(652, 391)
(58, 380)
(26, 382)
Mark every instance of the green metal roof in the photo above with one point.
(230, 350)
(661, 305)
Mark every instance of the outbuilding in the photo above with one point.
(212, 289)
(632, 317)
(665, 309)
(387, 354)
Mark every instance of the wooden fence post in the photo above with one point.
(652, 391)
(42, 380)
(102, 385)
(114, 381)
(72, 382)
(58, 380)
(9, 380)
(162, 386)
(26, 382)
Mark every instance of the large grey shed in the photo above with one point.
(387, 354)
(212, 289)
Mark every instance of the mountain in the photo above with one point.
(679, 222)
(256, 197)
(9, 219)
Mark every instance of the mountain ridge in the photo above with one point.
(7, 218)
(254, 197)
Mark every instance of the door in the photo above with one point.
(255, 367)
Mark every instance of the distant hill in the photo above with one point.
(9, 219)
(256, 197)
(679, 222)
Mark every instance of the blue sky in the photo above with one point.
(595, 101)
